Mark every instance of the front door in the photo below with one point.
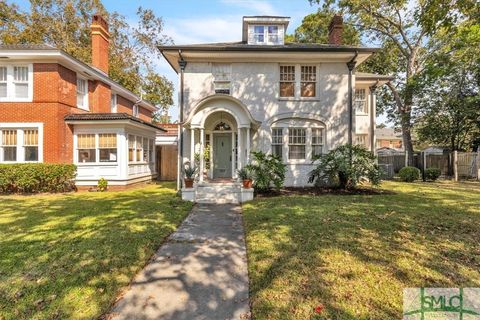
(222, 155)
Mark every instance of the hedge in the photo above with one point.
(409, 174)
(37, 177)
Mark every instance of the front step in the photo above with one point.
(228, 192)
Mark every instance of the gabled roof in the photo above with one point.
(74, 117)
(45, 51)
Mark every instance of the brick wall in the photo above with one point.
(55, 96)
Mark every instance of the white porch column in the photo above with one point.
(192, 147)
(202, 146)
(234, 160)
(248, 146)
(240, 149)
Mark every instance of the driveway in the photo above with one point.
(199, 273)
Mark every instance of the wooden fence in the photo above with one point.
(456, 165)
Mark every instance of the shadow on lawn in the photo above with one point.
(66, 256)
(356, 254)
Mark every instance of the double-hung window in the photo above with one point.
(361, 139)
(86, 147)
(298, 81)
(107, 145)
(287, 81)
(317, 142)
(360, 102)
(82, 93)
(297, 143)
(9, 145)
(3, 82)
(113, 103)
(16, 82)
(131, 148)
(308, 82)
(272, 34)
(20, 82)
(277, 142)
(259, 34)
(139, 149)
(30, 144)
(151, 149)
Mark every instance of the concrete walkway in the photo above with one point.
(200, 273)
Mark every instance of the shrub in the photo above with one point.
(267, 170)
(102, 184)
(409, 174)
(245, 173)
(433, 174)
(345, 166)
(37, 177)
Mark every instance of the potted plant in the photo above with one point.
(246, 176)
(189, 173)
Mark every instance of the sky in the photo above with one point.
(204, 21)
(200, 21)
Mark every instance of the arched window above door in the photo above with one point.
(222, 126)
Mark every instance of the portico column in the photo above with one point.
(234, 160)
(240, 149)
(248, 146)
(192, 147)
(202, 146)
(373, 110)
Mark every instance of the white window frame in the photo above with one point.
(222, 80)
(277, 143)
(145, 152)
(361, 139)
(113, 103)
(357, 101)
(316, 143)
(266, 34)
(20, 127)
(298, 81)
(85, 105)
(135, 110)
(11, 82)
(290, 130)
(97, 148)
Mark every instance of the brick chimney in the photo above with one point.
(100, 43)
(335, 30)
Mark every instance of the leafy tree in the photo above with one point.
(314, 29)
(345, 166)
(66, 25)
(403, 27)
(449, 113)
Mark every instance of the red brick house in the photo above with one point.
(57, 109)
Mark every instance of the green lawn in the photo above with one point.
(355, 254)
(68, 255)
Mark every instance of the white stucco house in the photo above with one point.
(293, 100)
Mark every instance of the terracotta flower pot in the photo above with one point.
(188, 183)
(247, 183)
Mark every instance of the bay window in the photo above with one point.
(151, 149)
(297, 143)
(139, 149)
(131, 148)
(86, 148)
(16, 82)
(107, 144)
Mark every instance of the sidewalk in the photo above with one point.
(200, 273)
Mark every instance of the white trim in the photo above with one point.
(113, 103)
(298, 82)
(85, 105)
(10, 81)
(20, 147)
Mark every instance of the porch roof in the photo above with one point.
(102, 117)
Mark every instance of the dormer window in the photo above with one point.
(265, 34)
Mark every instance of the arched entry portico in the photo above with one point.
(220, 135)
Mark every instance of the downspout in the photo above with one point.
(351, 66)
(182, 63)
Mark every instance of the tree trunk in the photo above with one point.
(404, 111)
